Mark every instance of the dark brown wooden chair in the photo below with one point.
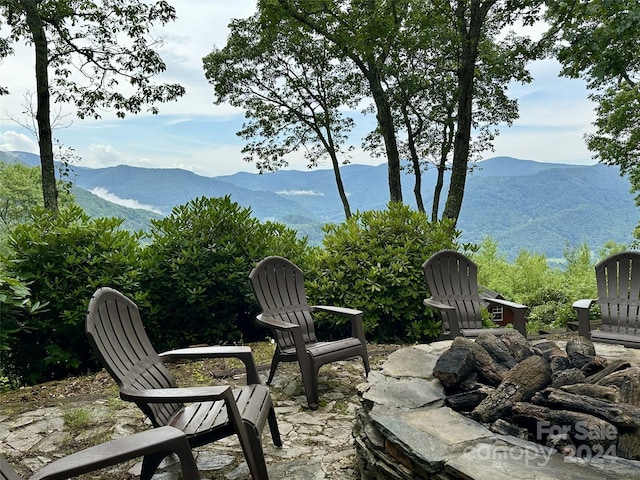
(158, 442)
(278, 285)
(618, 282)
(116, 333)
(452, 280)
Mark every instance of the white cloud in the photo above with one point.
(301, 192)
(14, 141)
(102, 156)
(195, 134)
(125, 202)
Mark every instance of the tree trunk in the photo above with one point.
(341, 192)
(372, 70)
(388, 132)
(415, 158)
(447, 143)
(43, 112)
(470, 32)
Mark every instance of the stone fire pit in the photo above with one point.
(404, 431)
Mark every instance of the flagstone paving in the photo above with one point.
(318, 445)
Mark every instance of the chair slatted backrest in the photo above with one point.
(618, 280)
(453, 280)
(118, 338)
(278, 285)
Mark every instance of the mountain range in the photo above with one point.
(521, 204)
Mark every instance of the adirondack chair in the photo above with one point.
(116, 333)
(618, 281)
(278, 285)
(452, 280)
(159, 441)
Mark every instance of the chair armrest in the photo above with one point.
(357, 328)
(271, 322)
(519, 310)
(429, 302)
(582, 308)
(583, 303)
(160, 439)
(176, 395)
(452, 315)
(506, 303)
(347, 312)
(240, 352)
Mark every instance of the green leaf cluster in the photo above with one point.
(63, 259)
(548, 290)
(372, 262)
(196, 271)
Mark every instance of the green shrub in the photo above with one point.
(15, 303)
(63, 258)
(373, 262)
(549, 308)
(196, 271)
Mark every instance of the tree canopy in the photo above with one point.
(293, 86)
(600, 43)
(408, 53)
(97, 55)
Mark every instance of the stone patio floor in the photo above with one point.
(318, 444)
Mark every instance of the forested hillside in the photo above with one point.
(522, 204)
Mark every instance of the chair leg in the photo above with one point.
(365, 360)
(309, 379)
(255, 460)
(273, 428)
(274, 364)
(150, 464)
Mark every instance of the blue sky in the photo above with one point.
(196, 135)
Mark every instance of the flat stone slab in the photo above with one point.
(403, 393)
(408, 410)
(446, 426)
(417, 361)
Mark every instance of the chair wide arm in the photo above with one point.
(163, 439)
(582, 308)
(242, 353)
(337, 310)
(176, 395)
(357, 327)
(272, 322)
(519, 312)
(454, 324)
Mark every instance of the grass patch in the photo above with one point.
(77, 420)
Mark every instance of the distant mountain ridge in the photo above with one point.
(522, 204)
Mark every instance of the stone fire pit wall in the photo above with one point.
(404, 431)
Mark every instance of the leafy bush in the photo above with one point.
(196, 271)
(63, 258)
(14, 303)
(549, 292)
(373, 262)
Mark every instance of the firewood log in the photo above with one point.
(497, 349)
(584, 429)
(619, 414)
(517, 345)
(519, 384)
(486, 367)
(453, 366)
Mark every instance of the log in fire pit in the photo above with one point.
(573, 400)
(502, 408)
